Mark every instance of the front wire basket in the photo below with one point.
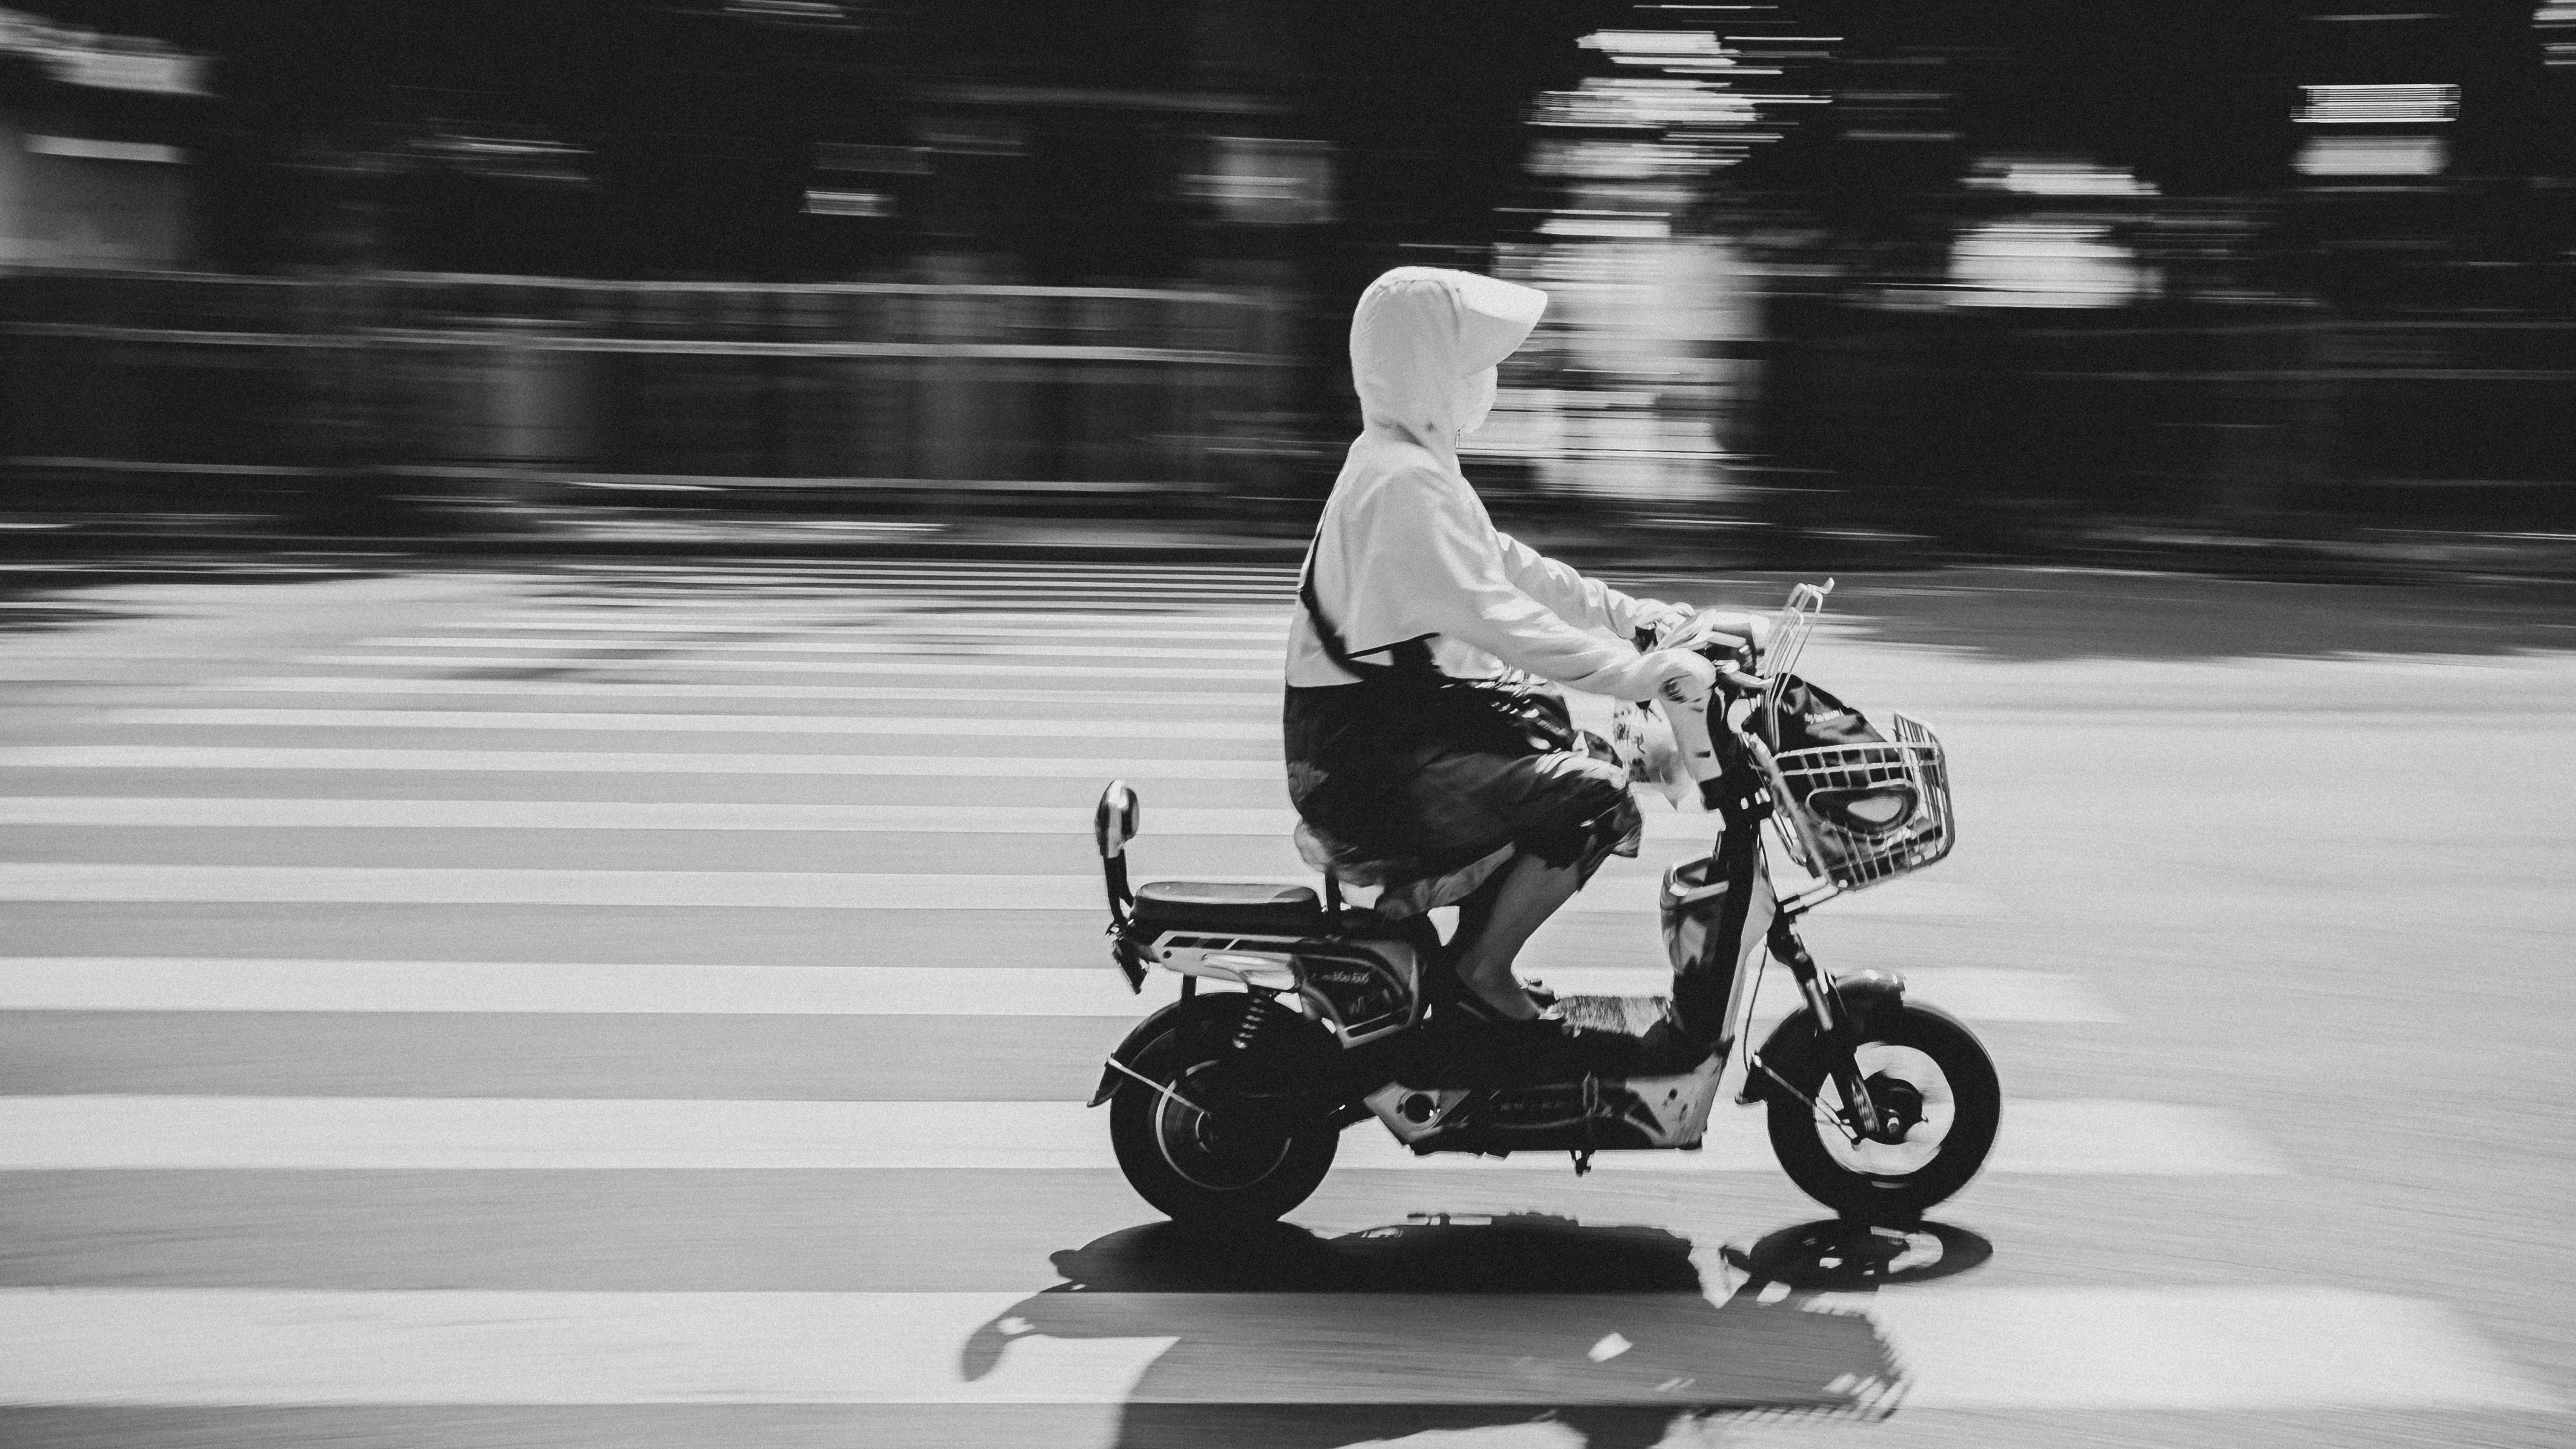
(1850, 857)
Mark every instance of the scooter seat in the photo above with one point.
(1195, 905)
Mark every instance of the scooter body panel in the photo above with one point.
(1591, 1113)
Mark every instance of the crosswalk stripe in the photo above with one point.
(917, 573)
(885, 614)
(2206, 1348)
(624, 762)
(1266, 700)
(625, 577)
(109, 983)
(880, 607)
(922, 574)
(1012, 647)
(1628, 894)
(909, 726)
(1212, 596)
(942, 625)
(237, 813)
(1942, 1347)
(1030, 591)
(148, 1133)
(941, 566)
(937, 565)
(982, 667)
(964, 587)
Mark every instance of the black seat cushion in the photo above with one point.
(1192, 905)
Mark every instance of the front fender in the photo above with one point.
(1794, 1046)
(1187, 1010)
(1786, 1050)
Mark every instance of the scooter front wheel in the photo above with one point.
(1208, 1168)
(1939, 1101)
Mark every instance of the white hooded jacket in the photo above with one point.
(1406, 548)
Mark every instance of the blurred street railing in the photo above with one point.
(175, 391)
(453, 405)
(2013, 430)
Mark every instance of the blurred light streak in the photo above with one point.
(2373, 156)
(2037, 177)
(2027, 263)
(2364, 105)
(821, 202)
(1654, 47)
(2557, 17)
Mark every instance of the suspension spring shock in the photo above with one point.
(1254, 1014)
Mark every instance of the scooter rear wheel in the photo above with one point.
(1932, 1077)
(1208, 1169)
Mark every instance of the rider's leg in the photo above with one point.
(1496, 922)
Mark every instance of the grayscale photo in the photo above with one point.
(1287, 724)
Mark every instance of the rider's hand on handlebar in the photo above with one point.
(1679, 677)
(1708, 633)
(1663, 621)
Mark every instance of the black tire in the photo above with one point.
(1878, 1184)
(1197, 1169)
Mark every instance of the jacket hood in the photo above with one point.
(1423, 343)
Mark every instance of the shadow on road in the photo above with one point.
(1598, 1336)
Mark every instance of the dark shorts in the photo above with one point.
(1384, 806)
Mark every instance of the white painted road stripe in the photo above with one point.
(964, 586)
(939, 625)
(1954, 1347)
(2213, 1348)
(192, 983)
(757, 569)
(230, 813)
(145, 1133)
(874, 613)
(1266, 700)
(923, 726)
(624, 581)
(1007, 649)
(990, 668)
(349, 885)
(627, 762)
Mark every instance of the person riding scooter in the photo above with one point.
(1412, 767)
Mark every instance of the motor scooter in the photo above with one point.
(1227, 1104)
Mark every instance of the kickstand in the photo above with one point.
(1582, 1159)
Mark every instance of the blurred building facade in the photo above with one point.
(96, 140)
(1988, 274)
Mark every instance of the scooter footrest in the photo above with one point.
(1625, 1015)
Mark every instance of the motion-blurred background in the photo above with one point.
(571, 572)
(2289, 282)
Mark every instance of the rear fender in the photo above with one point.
(1188, 1011)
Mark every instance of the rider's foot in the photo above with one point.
(1664, 1051)
(1476, 1006)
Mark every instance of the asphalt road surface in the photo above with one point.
(651, 1005)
